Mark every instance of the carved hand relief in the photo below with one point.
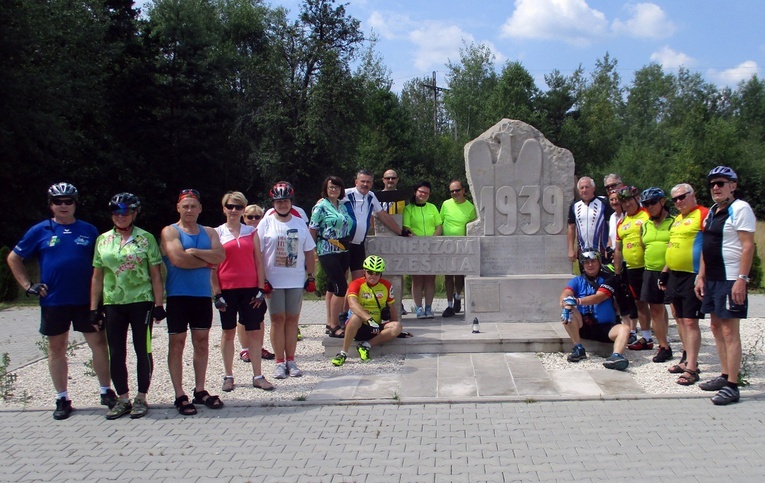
(519, 180)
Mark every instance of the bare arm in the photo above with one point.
(16, 264)
(571, 237)
(310, 261)
(157, 287)
(96, 287)
(259, 261)
(170, 244)
(439, 230)
(618, 257)
(738, 292)
(357, 309)
(213, 255)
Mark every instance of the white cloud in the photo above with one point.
(671, 59)
(572, 21)
(390, 27)
(648, 21)
(437, 43)
(731, 77)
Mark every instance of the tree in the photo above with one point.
(471, 83)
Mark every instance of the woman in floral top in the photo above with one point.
(127, 278)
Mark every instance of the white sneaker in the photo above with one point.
(281, 371)
(293, 370)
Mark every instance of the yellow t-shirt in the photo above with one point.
(629, 231)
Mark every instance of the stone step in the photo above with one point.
(454, 335)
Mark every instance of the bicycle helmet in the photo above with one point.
(282, 191)
(125, 201)
(374, 263)
(63, 190)
(722, 172)
(626, 193)
(589, 254)
(651, 194)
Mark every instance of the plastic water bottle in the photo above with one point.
(475, 326)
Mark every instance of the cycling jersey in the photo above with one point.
(655, 240)
(366, 296)
(685, 239)
(629, 233)
(422, 220)
(456, 216)
(721, 246)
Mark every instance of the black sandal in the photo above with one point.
(204, 397)
(333, 332)
(185, 409)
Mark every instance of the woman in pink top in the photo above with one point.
(235, 283)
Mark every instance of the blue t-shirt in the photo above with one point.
(582, 287)
(65, 255)
(191, 282)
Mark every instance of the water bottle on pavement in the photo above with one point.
(475, 326)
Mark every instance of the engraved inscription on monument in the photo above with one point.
(427, 255)
(484, 297)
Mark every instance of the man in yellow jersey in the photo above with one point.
(456, 213)
(683, 257)
(629, 247)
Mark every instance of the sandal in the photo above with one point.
(204, 397)
(679, 368)
(405, 335)
(185, 409)
(327, 329)
(688, 378)
(333, 332)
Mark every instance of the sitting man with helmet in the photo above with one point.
(588, 311)
(373, 314)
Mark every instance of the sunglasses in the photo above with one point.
(680, 197)
(188, 193)
(234, 207)
(59, 202)
(371, 273)
(455, 191)
(253, 217)
(650, 202)
(122, 212)
(717, 184)
(611, 186)
(390, 178)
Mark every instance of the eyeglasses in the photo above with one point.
(333, 188)
(425, 193)
(390, 178)
(455, 191)
(188, 193)
(253, 217)
(681, 197)
(59, 201)
(717, 184)
(651, 202)
(372, 274)
(234, 207)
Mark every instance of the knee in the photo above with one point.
(228, 335)
(354, 322)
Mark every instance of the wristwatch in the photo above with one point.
(744, 278)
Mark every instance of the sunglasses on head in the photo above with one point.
(717, 184)
(188, 193)
(59, 202)
(234, 207)
(680, 197)
(253, 217)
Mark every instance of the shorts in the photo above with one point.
(717, 301)
(286, 301)
(335, 267)
(184, 312)
(366, 332)
(358, 254)
(681, 294)
(597, 332)
(57, 319)
(650, 291)
(635, 281)
(238, 301)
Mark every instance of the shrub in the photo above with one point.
(9, 289)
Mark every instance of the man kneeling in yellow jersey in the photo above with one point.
(371, 304)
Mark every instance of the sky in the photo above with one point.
(721, 40)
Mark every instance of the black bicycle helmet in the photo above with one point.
(282, 191)
(125, 201)
(651, 194)
(722, 172)
(63, 190)
(626, 193)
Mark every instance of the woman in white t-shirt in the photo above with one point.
(289, 263)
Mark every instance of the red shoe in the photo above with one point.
(264, 354)
(641, 345)
(245, 356)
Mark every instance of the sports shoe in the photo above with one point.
(641, 345)
(403, 310)
(577, 354)
(300, 335)
(245, 356)
(228, 384)
(262, 383)
(428, 312)
(109, 399)
(616, 361)
(120, 409)
(457, 305)
(265, 354)
(715, 384)
(420, 312)
(281, 371)
(632, 339)
(339, 359)
(726, 395)
(63, 409)
(363, 353)
(449, 312)
(664, 354)
(293, 370)
(140, 408)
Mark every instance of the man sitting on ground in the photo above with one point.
(366, 298)
(588, 311)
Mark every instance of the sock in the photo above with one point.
(366, 344)
(451, 303)
(456, 296)
(245, 349)
(64, 394)
(104, 389)
(633, 332)
(229, 376)
(259, 377)
(724, 376)
(291, 359)
(646, 335)
(733, 385)
(280, 361)
(344, 353)
(579, 346)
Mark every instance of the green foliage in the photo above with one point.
(9, 289)
(749, 358)
(755, 273)
(7, 379)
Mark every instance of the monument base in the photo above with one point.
(514, 298)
